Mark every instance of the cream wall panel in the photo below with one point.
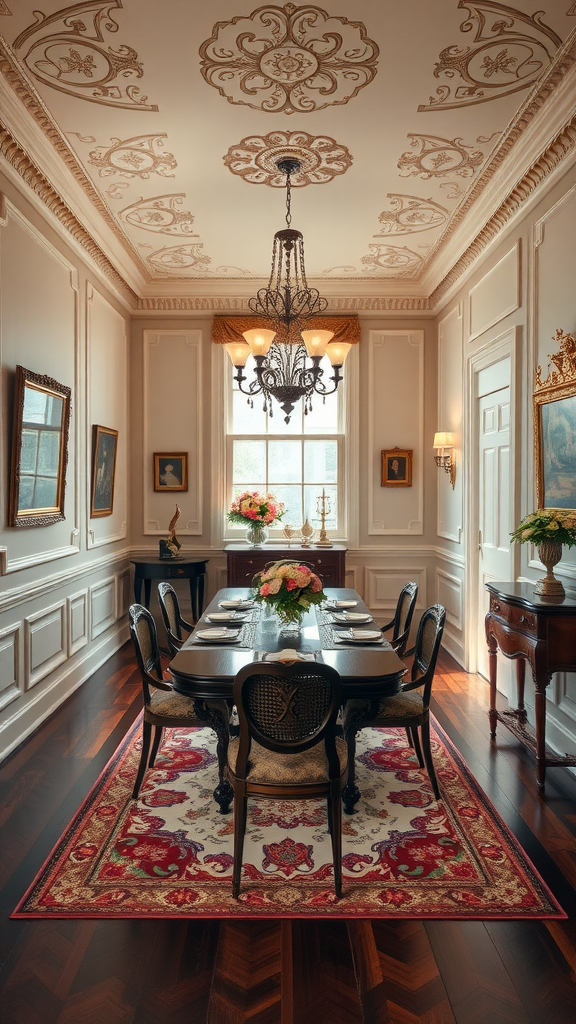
(77, 611)
(102, 606)
(451, 595)
(124, 594)
(38, 330)
(382, 586)
(46, 643)
(496, 295)
(552, 285)
(10, 678)
(107, 405)
(172, 412)
(395, 418)
(450, 511)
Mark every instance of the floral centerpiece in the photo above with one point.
(257, 512)
(289, 588)
(549, 529)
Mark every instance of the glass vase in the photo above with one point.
(256, 535)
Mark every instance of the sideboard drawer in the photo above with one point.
(242, 564)
(517, 618)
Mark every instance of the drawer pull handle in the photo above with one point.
(522, 618)
(496, 606)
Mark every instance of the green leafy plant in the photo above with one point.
(547, 524)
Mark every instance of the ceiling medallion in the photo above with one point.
(256, 158)
(395, 261)
(160, 215)
(69, 56)
(280, 347)
(286, 59)
(439, 157)
(410, 214)
(180, 257)
(138, 157)
(509, 51)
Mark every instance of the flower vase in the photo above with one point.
(269, 622)
(549, 553)
(256, 535)
(289, 632)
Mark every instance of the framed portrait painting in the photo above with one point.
(170, 471)
(104, 448)
(39, 450)
(397, 467)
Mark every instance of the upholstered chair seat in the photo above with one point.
(401, 705)
(269, 766)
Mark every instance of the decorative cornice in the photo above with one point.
(549, 160)
(550, 81)
(13, 153)
(194, 304)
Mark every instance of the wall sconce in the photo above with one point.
(444, 443)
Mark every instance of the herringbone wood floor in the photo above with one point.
(171, 972)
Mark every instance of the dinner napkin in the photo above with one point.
(288, 655)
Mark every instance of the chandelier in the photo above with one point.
(288, 305)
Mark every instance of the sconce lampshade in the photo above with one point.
(443, 439)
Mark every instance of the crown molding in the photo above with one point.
(198, 304)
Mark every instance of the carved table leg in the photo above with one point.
(217, 720)
(520, 674)
(493, 666)
(540, 710)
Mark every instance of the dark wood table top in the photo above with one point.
(156, 560)
(522, 595)
(210, 671)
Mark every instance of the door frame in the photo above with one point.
(506, 345)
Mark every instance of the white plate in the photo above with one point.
(225, 617)
(236, 603)
(351, 617)
(366, 634)
(339, 605)
(217, 635)
(359, 636)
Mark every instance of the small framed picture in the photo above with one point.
(170, 471)
(104, 447)
(397, 467)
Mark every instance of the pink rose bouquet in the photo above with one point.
(289, 587)
(252, 507)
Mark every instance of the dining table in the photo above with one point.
(205, 669)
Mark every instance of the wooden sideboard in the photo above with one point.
(541, 631)
(243, 561)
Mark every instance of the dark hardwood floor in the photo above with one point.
(171, 972)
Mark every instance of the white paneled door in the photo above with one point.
(495, 503)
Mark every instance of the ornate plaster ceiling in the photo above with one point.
(163, 122)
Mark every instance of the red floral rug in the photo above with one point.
(404, 855)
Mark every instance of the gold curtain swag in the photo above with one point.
(231, 328)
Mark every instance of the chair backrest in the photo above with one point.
(287, 708)
(403, 617)
(143, 632)
(428, 642)
(171, 617)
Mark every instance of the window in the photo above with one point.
(293, 461)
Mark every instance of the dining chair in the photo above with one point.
(164, 708)
(402, 620)
(172, 618)
(287, 747)
(409, 709)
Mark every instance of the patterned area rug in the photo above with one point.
(404, 855)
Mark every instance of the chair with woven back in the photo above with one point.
(172, 617)
(409, 709)
(287, 747)
(402, 620)
(164, 708)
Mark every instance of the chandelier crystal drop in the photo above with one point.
(288, 305)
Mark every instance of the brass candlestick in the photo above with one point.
(323, 508)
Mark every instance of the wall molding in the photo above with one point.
(77, 639)
(27, 591)
(34, 672)
(490, 274)
(443, 494)
(10, 639)
(99, 623)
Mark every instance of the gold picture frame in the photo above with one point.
(41, 424)
(397, 467)
(170, 471)
(104, 450)
(554, 404)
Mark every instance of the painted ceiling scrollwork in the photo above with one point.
(255, 158)
(410, 214)
(437, 158)
(287, 59)
(160, 215)
(509, 51)
(180, 257)
(67, 51)
(138, 157)
(394, 261)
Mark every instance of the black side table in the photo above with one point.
(154, 568)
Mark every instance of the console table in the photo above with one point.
(243, 561)
(155, 568)
(538, 630)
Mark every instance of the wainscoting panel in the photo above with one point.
(124, 593)
(102, 606)
(383, 585)
(46, 644)
(10, 681)
(449, 418)
(496, 295)
(77, 613)
(450, 592)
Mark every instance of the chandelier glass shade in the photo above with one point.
(288, 307)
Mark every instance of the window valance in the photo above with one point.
(231, 328)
